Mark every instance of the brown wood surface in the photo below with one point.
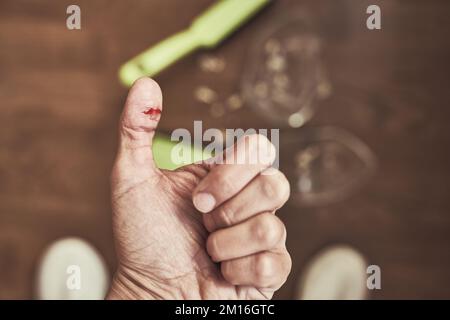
(60, 101)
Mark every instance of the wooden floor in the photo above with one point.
(60, 101)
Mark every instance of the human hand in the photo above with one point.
(204, 231)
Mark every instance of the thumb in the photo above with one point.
(140, 117)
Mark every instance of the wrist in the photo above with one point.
(132, 285)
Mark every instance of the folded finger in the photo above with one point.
(271, 190)
(250, 155)
(261, 270)
(260, 233)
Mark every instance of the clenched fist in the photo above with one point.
(205, 231)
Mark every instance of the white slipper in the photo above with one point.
(71, 269)
(335, 273)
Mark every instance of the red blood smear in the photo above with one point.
(153, 113)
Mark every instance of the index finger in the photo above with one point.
(251, 155)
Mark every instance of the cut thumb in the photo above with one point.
(137, 127)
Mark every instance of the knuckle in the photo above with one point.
(269, 187)
(264, 269)
(268, 230)
(211, 247)
(283, 189)
(276, 187)
(288, 265)
(224, 216)
(226, 183)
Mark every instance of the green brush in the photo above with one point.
(207, 31)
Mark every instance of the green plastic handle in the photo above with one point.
(162, 152)
(223, 18)
(159, 57)
(208, 30)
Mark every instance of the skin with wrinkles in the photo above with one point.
(166, 248)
